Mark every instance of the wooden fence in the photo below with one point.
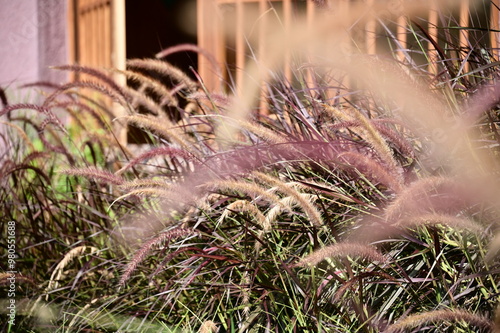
(98, 32)
(233, 50)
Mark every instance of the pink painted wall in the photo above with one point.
(33, 36)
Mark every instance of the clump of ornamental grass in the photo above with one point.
(54, 214)
(335, 211)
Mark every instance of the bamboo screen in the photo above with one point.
(235, 53)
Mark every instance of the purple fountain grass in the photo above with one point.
(168, 97)
(103, 89)
(419, 197)
(343, 250)
(22, 134)
(450, 221)
(11, 168)
(43, 84)
(94, 173)
(394, 137)
(34, 155)
(172, 134)
(220, 100)
(41, 109)
(339, 294)
(158, 152)
(145, 183)
(164, 68)
(244, 206)
(145, 249)
(248, 188)
(437, 316)
(372, 169)
(96, 73)
(305, 203)
(59, 148)
(82, 107)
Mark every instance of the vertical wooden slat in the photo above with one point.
(494, 25)
(345, 44)
(118, 59)
(100, 34)
(371, 33)
(311, 14)
(311, 17)
(263, 26)
(343, 7)
(287, 18)
(464, 22)
(433, 33)
(107, 34)
(402, 36)
(262, 51)
(92, 39)
(220, 45)
(99, 40)
(118, 34)
(240, 45)
(87, 42)
(210, 39)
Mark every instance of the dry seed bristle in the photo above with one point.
(493, 251)
(68, 257)
(447, 220)
(148, 192)
(141, 183)
(372, 169)
(158, 151)
(140, 98)
(219, 99)
(167, 97)
(103, 76)
(208, 327)
(22, 134)
(251, 189)
(168, 133)
(407, 198)
(286, 204)
(245, 206)
(436, 316)
(342, 250)
(375, 139)
(102, 175)
(397, 139)
(303, 202)
(141, 254)
(263, 132)
(165, 69)
(371, 134)
(104, 90)
(204, 203)
(253, 127)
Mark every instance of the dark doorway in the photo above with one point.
(154, 25)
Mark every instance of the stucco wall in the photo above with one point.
(33, 36)
(52, 39)
(19, 39)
